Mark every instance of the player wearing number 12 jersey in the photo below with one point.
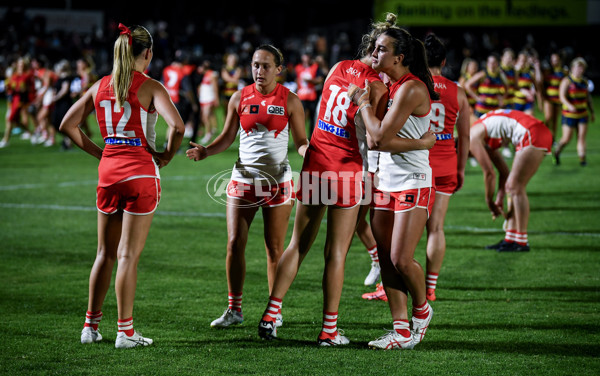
(127, 104)
(447, 163)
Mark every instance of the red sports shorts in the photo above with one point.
(403, 201)
(262, 195)
(446, 185)
(136, 196)
(346, 192)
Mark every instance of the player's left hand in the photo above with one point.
(160, 158)
(359, 96)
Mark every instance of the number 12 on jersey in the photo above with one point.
(108, 111)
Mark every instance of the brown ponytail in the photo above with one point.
(367, 45)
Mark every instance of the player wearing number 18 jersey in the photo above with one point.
(331, 179)
(127, 104)
(337, 153)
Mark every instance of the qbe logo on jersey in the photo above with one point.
(275, 110)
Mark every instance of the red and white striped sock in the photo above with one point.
(126, 326)
(235, 301)
(329, 328)
(510, 236)
(273, 308)
(421, 311)
(402, 327)
(431, 280)
(373, 253)
(92, 319)
(521, 238)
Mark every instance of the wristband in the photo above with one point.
(364, 105)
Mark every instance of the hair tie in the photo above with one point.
(125, 30)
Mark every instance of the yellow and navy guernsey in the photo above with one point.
(525, 81)
(229, 88)
(490, 88)
(510, 74)
(577, 94)
(552, 83)
(471, 100)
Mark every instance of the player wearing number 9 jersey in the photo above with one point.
(127, 104)
(447, 163)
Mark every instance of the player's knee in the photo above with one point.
(236, 244)
(402, 264)
(105, 254)
(514, 188)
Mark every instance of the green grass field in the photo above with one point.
(496, 314)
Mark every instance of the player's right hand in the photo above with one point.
(429, 139)
(196, 152)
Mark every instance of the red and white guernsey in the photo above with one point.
(444, 113)
(408, 170)
(306, 90)
(206, 93)
(338, 142)
(521, 129)
(126, 134)
(264, 136)
(172, 77)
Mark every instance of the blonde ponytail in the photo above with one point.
(128, 46)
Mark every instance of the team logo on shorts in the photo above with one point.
(409, 199)
(218, 189)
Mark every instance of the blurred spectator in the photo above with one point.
(553, 72)
(308, 77)
(577, 109)
(231, 73)
(21, 88)
(209, 99)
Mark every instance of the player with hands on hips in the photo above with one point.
(127, 104)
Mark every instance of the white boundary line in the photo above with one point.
(89, 182)
(222, 215)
